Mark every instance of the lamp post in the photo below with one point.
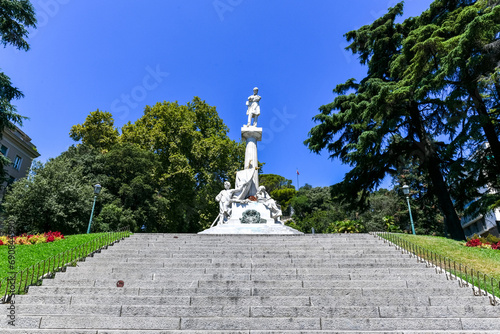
(406, 191)
(97, 190)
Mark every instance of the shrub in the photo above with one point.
(292, 224)
(345, 226)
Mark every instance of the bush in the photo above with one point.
(390, 226)
(346, 226)
(292, 224)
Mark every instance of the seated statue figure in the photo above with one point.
(226, 198)
(264, 198)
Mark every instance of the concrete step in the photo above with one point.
(60, 278)
(290, 284)
(243, 323)
(292, 301)
(237, 292)
(106, 331)
(261, 311)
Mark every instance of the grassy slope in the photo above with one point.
(27, 255)
(484, 260)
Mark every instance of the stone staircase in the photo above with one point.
(251, 284)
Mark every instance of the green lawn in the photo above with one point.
(484, 260)
(27, 255)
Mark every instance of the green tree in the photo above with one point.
(315, 208)
(284, 197)
(273, 181)
(381, 203)
(58, 194)
(97, 131)
(280, 189)
(195, 156)
(384, 120)
(163, 173)
(54, 197)
(130, 175)
(16, 16)
(451, 54)
(426, 215)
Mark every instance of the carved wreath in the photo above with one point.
(252, 217)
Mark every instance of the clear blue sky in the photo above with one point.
(121, 55)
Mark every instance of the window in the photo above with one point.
(4, 150)
(17, 162)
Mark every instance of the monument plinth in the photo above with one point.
(248, 208)
(252, 135)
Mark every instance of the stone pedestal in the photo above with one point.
(267, 225)
(240, 208)
(252, 135)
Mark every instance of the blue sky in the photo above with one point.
(119, 56)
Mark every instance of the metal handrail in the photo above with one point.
(33, 275)
(481, 283)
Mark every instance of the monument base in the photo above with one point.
(277, 228)
(251, 218)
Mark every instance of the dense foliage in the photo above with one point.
(160, 175)
(430, 97)
(280, 189)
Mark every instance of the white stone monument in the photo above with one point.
(248, 208)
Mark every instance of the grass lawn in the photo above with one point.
(27, 255)
(484, 260)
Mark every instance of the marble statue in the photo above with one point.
(224, 199)
(264, 198)
(253, 110)
(228, 196)
(248, 208)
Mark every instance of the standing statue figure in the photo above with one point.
(253, 110)
(264, 198)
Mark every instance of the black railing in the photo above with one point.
(481, 283)
(33, 275)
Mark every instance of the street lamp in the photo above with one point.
(97, 190)
(406, 191)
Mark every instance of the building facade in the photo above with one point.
(17, 146)
(482, 225)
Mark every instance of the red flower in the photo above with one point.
(50, 238)
(1, 242)
(473, 243)
(495, 246)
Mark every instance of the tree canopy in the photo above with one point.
(97, 131)
(161, 174)
(413, 102)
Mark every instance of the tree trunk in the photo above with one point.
(431, 162)
(452, 222)
(487, 125)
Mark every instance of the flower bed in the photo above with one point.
(488, 242)
(32, 239)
